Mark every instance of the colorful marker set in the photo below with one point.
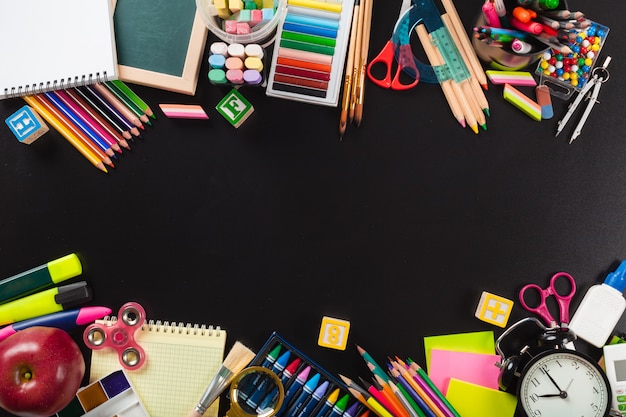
(309, 389)
(112, 395)
(97, 119)
(32, 299)
(402, 389)
(310, 50)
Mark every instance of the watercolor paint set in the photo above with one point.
(112, 395)
(309, 389)
(310, 50)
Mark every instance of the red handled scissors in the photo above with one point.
(400, 53)
(563, 301)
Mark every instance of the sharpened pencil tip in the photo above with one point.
(487, 112)
(484, 126)
(474, 128)
(485, 86)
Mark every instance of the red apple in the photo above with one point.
(41, 369)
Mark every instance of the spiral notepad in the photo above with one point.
(181, 360)
(51, 45)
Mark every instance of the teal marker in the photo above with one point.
(39, 278)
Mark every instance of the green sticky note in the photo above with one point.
(234, 108)
(472, 342)
(471, 400)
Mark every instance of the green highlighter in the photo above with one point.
(39, 278)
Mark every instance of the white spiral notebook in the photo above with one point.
(55, 44)
(181, 360)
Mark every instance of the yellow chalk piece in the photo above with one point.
(522, 102)
(494, 309)
(334, 333)
(235, 5)
(267, 4)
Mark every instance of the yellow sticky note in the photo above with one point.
(474, 342)
(471, 400)
(334, 333)
(494, 309)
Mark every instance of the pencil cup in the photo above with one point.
(234, 22)
(501, 56)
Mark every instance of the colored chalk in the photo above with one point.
(26, 125)
(217, 61)
(254, 50)
(542, 92)
(522, 102)
(253, 63)
(235, 76)
(518, 78)
(183, 111)
(236, 61)
(253, 77)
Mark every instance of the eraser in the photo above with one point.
(334, 333)
(183, 111)
(523, 78)
(522, 102)
(235, 108)
(542, 92)
(494, 309)
(26, 125)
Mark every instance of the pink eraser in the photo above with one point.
(183, 111)
(523, 78)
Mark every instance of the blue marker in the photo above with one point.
(262, 386)
(294, 388)
(304, 395)
(319, 392)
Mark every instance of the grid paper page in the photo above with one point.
(179, 366)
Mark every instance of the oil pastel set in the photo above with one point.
(310, 50)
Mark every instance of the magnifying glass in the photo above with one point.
(249, 379)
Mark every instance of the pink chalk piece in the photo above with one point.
(183, 111)
(476, 368)
(243, 28)
(256, 17)
(235, 76)
(230, 26)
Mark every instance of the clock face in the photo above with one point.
(559, 383)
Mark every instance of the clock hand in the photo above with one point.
(550, 395)
(562, 393)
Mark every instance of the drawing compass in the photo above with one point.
(589, 92)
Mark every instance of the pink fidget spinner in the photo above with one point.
(120, 335)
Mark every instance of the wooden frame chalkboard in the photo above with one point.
(138, 50)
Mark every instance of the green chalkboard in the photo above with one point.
(159, 43)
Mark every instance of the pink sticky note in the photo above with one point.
(476, 368)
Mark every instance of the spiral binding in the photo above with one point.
(173, 327)
(42, 87)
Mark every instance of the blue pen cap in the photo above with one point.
(617, 279)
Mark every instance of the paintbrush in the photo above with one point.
(236, 360)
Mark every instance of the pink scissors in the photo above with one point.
(563, 301)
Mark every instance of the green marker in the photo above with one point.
(39, 278)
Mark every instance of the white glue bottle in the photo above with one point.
(601, 308)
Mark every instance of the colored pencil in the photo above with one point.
(134, 97)
(119, 106)
(418, 369)
(74, 118)
(69, 136)
(456, 102)
(104, 114)
(90, 121)
(80, 135)
(101, 121)
(126, 101)
(95, 94)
